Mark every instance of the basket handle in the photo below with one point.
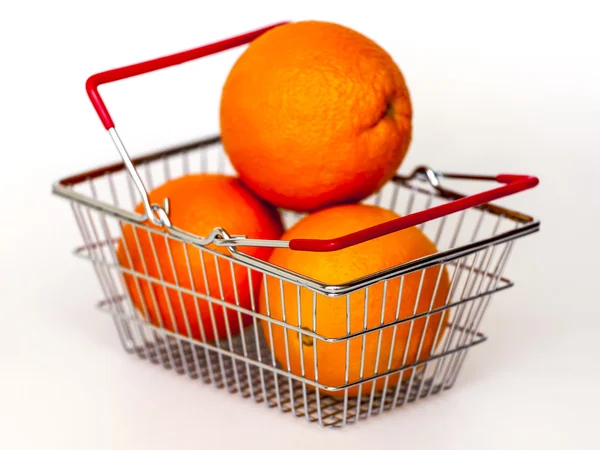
(512, 185)
(133, 70)
(157, 214)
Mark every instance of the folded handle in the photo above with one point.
(512, 185)
(160, 63)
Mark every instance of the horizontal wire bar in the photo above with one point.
(445, 257)
(200, 144)
(207, 143)
(344, 288)
(331, 339)
(223, 351)
(338, 290)
(81, 252)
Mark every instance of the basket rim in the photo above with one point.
(64, 188)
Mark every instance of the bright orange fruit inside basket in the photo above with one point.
(343, 266)
(199, 203)
(313, 114)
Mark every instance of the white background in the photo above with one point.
(509, 86)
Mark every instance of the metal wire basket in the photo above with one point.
(474, 238)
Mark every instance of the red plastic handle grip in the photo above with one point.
(513, 184)
(160, 63)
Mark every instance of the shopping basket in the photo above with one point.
(474, 238)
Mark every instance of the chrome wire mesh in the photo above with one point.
(245, 362)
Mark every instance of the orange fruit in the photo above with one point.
(198, 204)
(314, 114)
(343, 266)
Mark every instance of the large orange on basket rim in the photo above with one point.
(314, 114)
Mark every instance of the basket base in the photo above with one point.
(276, 390)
